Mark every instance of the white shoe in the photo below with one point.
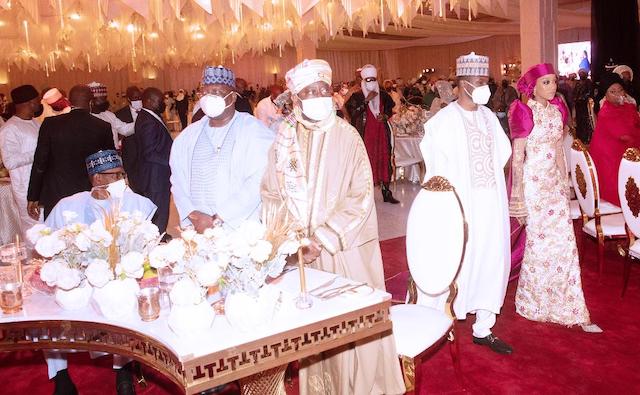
(591, 328)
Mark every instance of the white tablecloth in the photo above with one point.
(408, 157)
(9, 218)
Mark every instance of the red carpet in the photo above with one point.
(547, 359)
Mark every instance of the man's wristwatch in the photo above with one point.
(217, 222)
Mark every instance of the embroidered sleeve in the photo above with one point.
(517, 207)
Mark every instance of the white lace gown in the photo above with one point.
(550, 287)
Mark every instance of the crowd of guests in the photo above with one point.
(313, 152)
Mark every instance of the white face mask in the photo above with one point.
(214, 105)
(136, 105)
(116, 189)
(318, 108)
(480, 94)
(371, 85)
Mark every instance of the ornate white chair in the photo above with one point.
(566, 145)
(629, 192)
(600, 219)
(434, 254)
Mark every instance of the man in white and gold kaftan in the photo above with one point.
(318, 167)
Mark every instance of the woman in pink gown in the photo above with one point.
(549, 287)
(617, 128)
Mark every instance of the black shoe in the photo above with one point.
(124, 380)
(495, 344)
(387, 197)
(64, 385)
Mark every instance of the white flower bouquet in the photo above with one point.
(409, 120)
(78, 255)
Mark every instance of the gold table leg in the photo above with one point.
(268, 382)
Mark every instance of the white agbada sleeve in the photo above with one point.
(239, 206)
(435, 159)
(180, 163)
(11, 148)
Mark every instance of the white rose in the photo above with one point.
(260, 251)
(175, 250)
(157, 256)
(207, 273)
(37, 231)
(49, 271)
(132, 264)
(98, 273)
(69, 216)
(82, 242)
(239, 246)
(188, 234)
(50, 245)
(99, 234)
(68, 278)
(252, 231)
(289, 247)
(185, 292)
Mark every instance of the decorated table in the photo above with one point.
(408, 129)
(409, 157)
(218, 354)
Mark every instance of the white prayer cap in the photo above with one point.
(306, 73)
(472, 65)
(622, 69)
(368, 71)
(52, 96)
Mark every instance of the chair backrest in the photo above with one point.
(566, 147)
(629, 190)
(436, 238)
(584, 178)
(593, 118)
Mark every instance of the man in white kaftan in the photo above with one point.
(217, 163)
(319, 174)
(465, 143)
(109, 191)
(18, 140)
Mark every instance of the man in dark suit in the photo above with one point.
(63, 144)
(153, 146)
(128, 114)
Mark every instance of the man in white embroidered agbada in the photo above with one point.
(465, 143)
(319, 170)
(217, 163)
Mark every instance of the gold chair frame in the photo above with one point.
(600, 236)
(411, 366)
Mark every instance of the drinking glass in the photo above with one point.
(10, 255)
(166, 279)
(10, 297)
(149, 303)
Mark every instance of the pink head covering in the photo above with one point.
(527, 82)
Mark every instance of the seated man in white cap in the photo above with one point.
(109, 190)
(319, 175)
(100, 109)
(217, 163)
(369, 111)
(465, 143)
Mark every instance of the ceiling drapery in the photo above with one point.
(150, 34)
(113, 34)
